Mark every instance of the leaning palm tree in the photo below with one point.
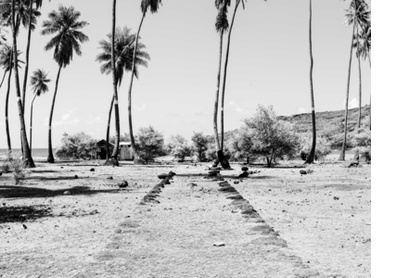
(39, 82)
(221, 25)
(123, 60)
(355, 15)
(65, 25)
(145, 6)
(26, 151)
(311, 155)
(7, 62)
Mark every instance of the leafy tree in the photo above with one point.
(311, 154)
(77, 146)
(149, 144)
(356, 14)
(179, 147)
(200, 143)
(123, 58)
(145, 6)
(65, 25)
(39, 82)
(272, 138)
(241, 145)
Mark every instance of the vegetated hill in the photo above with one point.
(330, 124)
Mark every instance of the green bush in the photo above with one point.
(200, 146)
(179, 148)
(149, 144)
(322, 149)
(77, 146)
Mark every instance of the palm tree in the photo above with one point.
(26, 151)
(32, 14)
(356, 14)
(145, 5)
(221, 25)
(7, 62)
(364, 51)
(39, 82)
(311, 155)
(123, 59)
(65, 25)
(114, 157)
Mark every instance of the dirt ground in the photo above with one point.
(71, 219)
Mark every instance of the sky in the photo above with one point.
(268, 65)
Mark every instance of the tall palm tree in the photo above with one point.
(114, 157)
(311, 155)
(65, 25)
(356, 14)
(123, 59)
(39, 82)
(145, 6)
(32, 19)
(365, 50)
(7, 62)
(26, 151)
(221, 25)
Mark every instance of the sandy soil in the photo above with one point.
(72, 220)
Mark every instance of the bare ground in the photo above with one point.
(68, 221)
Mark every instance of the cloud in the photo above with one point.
(94, 120)
(237, 108)
(301, 110)
(139, 108)
(67, 115)
(353, 103)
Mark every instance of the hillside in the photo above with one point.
(330, 123)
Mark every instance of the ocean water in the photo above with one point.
(36, 152)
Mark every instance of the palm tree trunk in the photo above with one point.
(114, 157)
(370, 106)
(108, 128)
(131, 83)
(50, 157)
(2, 80)
(343, 151)
(26, 151)
(31, 121)
(28, 46)
(360, 81)
(311, 155)
(225, 73)
(6, 112)
(217, 143)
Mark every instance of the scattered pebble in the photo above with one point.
(219, 244)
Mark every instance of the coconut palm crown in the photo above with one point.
(124, 46)
(152, 5)
(65, 25)
(39, 82)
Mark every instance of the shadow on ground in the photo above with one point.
(8, 191)
(21, 214)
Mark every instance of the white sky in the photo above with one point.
(269, 65)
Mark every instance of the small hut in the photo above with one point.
(125, 151)
(101, 152)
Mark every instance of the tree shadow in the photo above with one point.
(23, 213)
(8, 191)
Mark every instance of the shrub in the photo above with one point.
(200, 147)
(149, 144)
(15, 165)
(179, 147)
(322, 149)
(241, 145)
(77, 146)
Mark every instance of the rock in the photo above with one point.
(245, 169)
(25, 227)
(353, 164)
(303, 172)
(67, 192)
(335, 198)
(172, 173)
(306, 273)
(76, 176)
(236, 182)
(192, 184)
(163, 176)
(213, 173)
(244, 175)
(91, 170)
(219, 244)
(123, 184)
(110, 178)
